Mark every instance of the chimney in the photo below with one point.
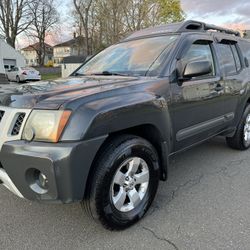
(74, 34)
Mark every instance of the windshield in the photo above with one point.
(143, 57)
(26, 68)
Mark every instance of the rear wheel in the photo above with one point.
(241, 139)
(124, 182)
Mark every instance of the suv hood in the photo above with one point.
(53, 94)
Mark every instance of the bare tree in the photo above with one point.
(84, 10)
(44, 19)
(15, 18)
(105, 22)
(137, 14)
(144, 13)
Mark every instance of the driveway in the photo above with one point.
(204, 205)
(11, 84)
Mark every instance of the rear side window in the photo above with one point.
(228, 59)
(245, 49)
(236, 58)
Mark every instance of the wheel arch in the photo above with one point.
(148, 132)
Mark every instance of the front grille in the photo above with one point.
(1, 115)
(18, 124)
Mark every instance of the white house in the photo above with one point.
(73, 47)
(31, 57)
(9, 58)
(70, 64)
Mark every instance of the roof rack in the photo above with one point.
(186, 26)
(200, 26)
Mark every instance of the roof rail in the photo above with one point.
(186, 26)
(200, 26)
(223, 30)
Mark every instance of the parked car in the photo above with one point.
(104, 136)
(22, 74)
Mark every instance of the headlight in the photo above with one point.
(45, 125)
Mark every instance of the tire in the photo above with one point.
(18, 79)
(102, 202)
(240, 140)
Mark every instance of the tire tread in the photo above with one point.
(99, 170)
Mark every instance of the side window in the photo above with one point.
(245, 49)
(226, 59)
(236, 58)
(199, 52)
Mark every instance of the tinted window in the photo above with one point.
(226, 59)
(245, 49)
(236, 58)
(199, 52)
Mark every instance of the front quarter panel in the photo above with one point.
(112, 114)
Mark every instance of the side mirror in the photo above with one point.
(198, 68)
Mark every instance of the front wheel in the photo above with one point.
(241, 139)
(124, 182)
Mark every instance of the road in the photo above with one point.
(204, 205)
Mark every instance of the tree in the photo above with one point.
(144, 13)
(15, 18)
(139, 14)
(44, 19)
(84, 9)
(170, 11)
(107, 21)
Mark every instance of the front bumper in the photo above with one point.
(66, 166)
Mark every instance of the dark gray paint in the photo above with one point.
(105, 105)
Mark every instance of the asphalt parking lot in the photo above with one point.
(204, 205)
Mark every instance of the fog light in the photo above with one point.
(43, 181)
(37, 181)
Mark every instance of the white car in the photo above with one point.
(22, 74)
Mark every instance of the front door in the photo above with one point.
(197, 109)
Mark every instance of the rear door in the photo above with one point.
(197, 105)
(232, 74)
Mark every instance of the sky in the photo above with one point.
(228, 13)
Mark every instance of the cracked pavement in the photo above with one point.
(204, 205)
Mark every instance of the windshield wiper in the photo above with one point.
(79, 74)
(108, 73)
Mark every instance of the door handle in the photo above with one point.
(219, 87)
